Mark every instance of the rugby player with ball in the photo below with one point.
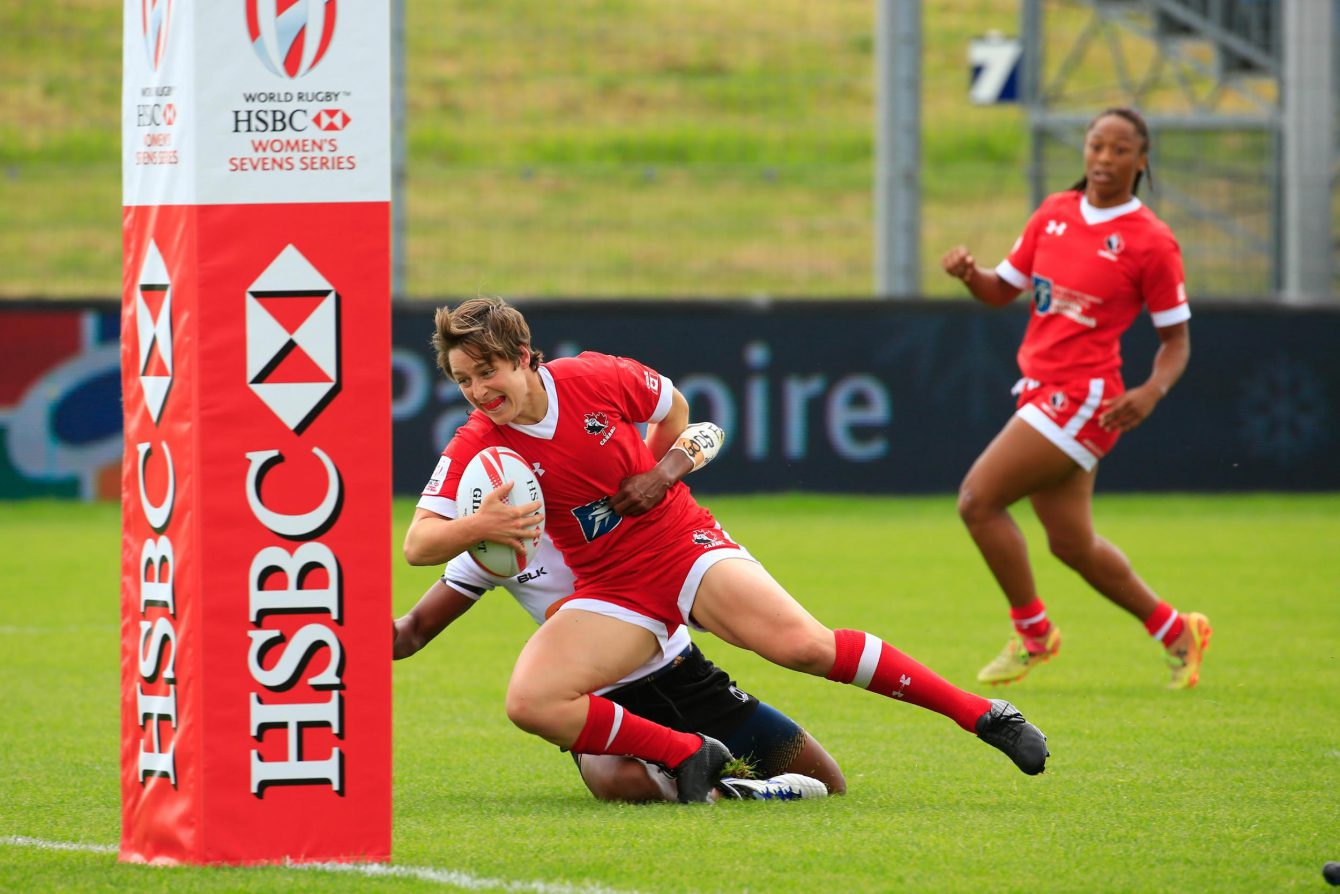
(646, 557)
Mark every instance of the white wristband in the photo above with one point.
(700, 442)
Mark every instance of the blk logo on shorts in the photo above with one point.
(596, 518)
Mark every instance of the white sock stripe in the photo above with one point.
(865, 668)
(1025, 622)
(1167, 625)
(1087, 410)
(614, 727)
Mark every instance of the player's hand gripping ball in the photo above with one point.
(490, 469)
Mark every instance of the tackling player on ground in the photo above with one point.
(686, 692)
(646, 557)
(1091, 257)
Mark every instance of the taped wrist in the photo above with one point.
(700, 442)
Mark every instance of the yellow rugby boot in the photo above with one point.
(1019, 657)
(1187, 653)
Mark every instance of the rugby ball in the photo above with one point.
(489, 470)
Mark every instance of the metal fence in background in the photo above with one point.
(694, 149)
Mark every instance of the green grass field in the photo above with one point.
(1230, 787)
(600, 149)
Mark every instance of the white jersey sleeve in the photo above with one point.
(546, 581)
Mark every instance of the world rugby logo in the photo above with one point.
(155, 16)
(290, 36)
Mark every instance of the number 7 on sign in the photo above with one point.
(995, 69)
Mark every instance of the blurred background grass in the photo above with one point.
(588, 148)
(628, 148)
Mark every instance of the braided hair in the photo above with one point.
(1138, 122)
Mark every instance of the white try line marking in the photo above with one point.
(370, 870)
(71, 628)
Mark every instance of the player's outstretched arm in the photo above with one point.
(984, 284)
(437, 608)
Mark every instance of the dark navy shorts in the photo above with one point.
(693, 695)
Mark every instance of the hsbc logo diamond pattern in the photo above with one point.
(290, 36)
(293, 339)
(153, 330)
(331, 119)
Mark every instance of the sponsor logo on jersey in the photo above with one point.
(1042, 294)
(596, 518)
(439, 475)
(1056, 228)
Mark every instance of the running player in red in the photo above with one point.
(686, 692)
(647, 558)
(1091, 257)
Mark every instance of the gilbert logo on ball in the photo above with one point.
(489, 470)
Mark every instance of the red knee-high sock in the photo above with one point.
(610, 729)
(1031, 620)
(867, 661)
(1165, 624)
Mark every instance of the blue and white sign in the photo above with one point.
(995, 69)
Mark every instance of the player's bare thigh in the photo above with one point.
(741, 603)
(1019, 461)
(572, 654)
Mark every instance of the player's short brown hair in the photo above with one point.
(484, 327)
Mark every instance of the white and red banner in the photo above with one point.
(255, 358)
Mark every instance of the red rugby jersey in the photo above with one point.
(583, 449)
(1089, 271)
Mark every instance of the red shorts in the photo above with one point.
(1067, 415)
(657, 592)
